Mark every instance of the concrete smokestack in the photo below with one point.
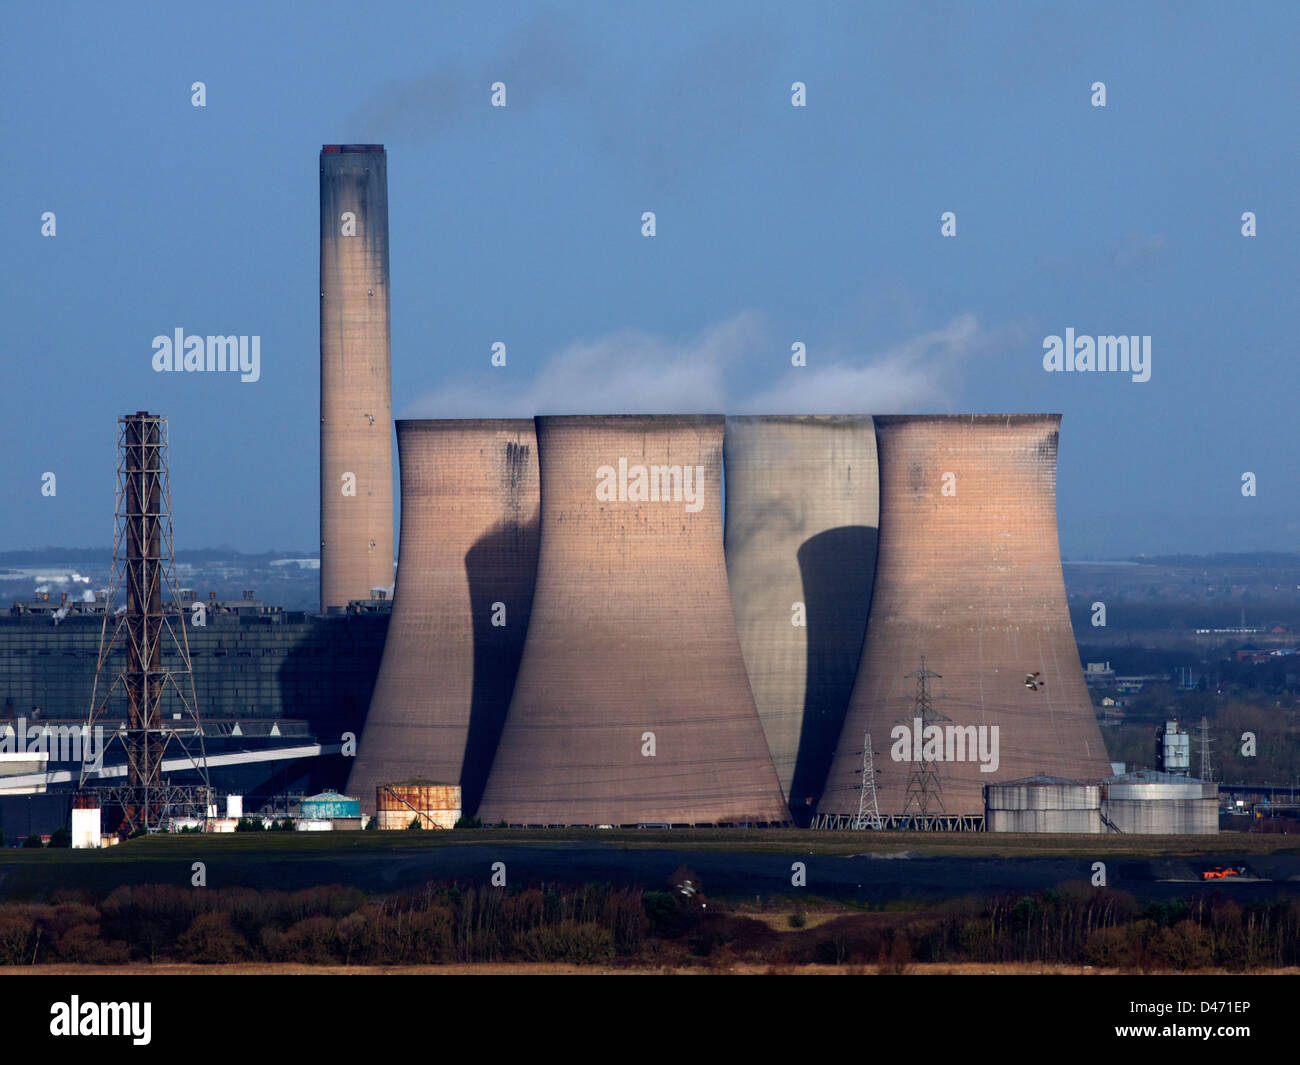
(632, 705)
(968, 575)
(356, 454)
(464, 593)
(803, 508)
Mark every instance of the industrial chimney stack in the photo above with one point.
(356, 454)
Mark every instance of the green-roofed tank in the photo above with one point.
(330, 805)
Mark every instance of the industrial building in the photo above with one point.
(468, 559)
(968, 578)
(356, 415)
(632, 705)
(1140, 803)
(254, 665)
(269, 682)
(802, 514)
(1043, 804)
(1148, 802)
(420, 802)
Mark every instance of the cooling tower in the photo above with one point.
(632, 704)
(802, 512)
(467, 561)
(356, 452)
(968, 575)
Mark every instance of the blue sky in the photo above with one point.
(775, 224)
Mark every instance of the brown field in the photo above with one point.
(558, 969)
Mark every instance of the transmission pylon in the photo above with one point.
(1205, 749)
(924, 791)
(143, 694)
(868, 806)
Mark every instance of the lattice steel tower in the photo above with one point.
(868, 806)
(1206, 772)
(923, 784)
(144, 687)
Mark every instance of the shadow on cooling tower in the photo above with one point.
(837, 568)
(501, 568)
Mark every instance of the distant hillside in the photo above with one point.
(103, 555)
(1224, 560)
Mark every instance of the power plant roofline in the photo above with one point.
(970, 419)
(468, 559)
(632, 705)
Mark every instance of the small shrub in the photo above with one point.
(894, 961)
(570, 941)
(1184, 946)
(210, 940)
(1108, 948)
(83, 944)
(61, 837)
(797, 920)
(33, 842)
(831, 951)
(16, 940)
(468, 822)
(415, 825)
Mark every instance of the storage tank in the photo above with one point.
(329, 805)
(356, 412)
(802, 512)
(464, 594)
(968, 577)
(434, 805)
(1043, 804)
(632, 704)
(86, 821)
(1163, 804)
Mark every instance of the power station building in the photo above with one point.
(356, 415)
(468, 558)
(632, 704)
(802, 515)
(968, 578)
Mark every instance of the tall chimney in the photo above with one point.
(356, 417)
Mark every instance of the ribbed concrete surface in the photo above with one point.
(468, 541)
(631, 632)
(355, 392)
(973, 582)
(802, 514)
